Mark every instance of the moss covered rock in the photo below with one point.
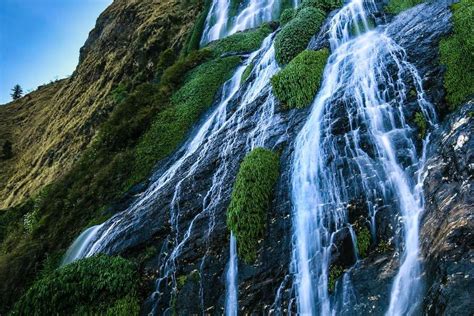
(241, 42)
(251, 196)
(457, 53)
(297, 84)
(295, 35)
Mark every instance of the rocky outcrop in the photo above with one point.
(50, 127)
(447, 234)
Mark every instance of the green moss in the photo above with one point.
(170, 126)
(241, 42)
(297, 84)
(88, 286)
(397, 6)
(251, 196)
(194, 37)
(247, 72)
(295, 35)
(286, 16)
(421, 124)
(127, 306)
(363, 240)
(457, 54)
(335, 273)
(325, 5)
(384, 247)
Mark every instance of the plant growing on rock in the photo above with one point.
(397, 6)
(363, 240)
(296, 85)
(88, 286)
(251, 196)
(457, 54)
(295, 35)
(335, 273)
(421, 124)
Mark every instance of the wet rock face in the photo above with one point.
(447, 238)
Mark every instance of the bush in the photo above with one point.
(241, 42)
(170, 127)
(297, 84)
(251, 197)
(295, 35)
(397, 6)
(88, 286)
(457, 54)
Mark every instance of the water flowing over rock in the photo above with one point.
(351, 161)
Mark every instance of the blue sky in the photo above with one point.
(40, 40)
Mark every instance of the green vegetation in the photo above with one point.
(286, 16)
(251, 197)
(457, 54)
(295, 35)
(88, 286)
(170, 126)
(384, 247)
(325, 5)
(194, 37)
(296, 85)
(397, 6)
(363, 240)
(421, 124)
(335, 273)
(122, 154)
(241, 42)
(247, 72)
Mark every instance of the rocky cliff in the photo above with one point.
(50, 128)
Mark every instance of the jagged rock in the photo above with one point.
(447, 226)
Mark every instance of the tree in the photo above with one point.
(17, 92)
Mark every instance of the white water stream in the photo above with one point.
(378, 147)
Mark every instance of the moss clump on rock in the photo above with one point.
(295, 35)
(251, 195)
(397, 6)
(325, 5)
(335, 273)
(86, 287)
(170, 126)
(247, 72)
(421, 124)
(286, 16)
(296, 85)
(457, 54)
(241, 42)
(363, 241)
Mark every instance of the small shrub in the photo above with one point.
(295, 35)
(251, 196)
(241, 42)
(457, 54)
(87, 286)
(397, 6)
(297, 84)
(421, 124)
(335, 273)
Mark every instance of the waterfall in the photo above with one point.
(373, 156)
(220, 22)
(231, 303)
(79, 246)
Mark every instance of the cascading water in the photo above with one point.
(231, 296)
(218, 127)
(221, 22)
(374, 156)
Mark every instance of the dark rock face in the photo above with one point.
(447, 234)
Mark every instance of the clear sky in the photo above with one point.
(40, 40)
